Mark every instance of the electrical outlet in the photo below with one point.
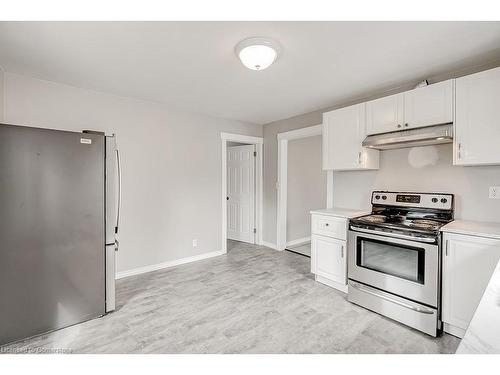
(494, 192)
(195, 243)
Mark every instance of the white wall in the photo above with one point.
(306, 185)
(171, 163)
(1, 93)
(352, 189)
(270, 194)
(426, 169)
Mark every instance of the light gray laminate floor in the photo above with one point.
(252, 300)
(304, 248)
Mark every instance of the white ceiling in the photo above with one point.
(192, 65)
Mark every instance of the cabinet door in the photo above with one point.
(385, 114)
(343, 133)
(477, 114)
(328, 256)
(468, 263)
(430, 105)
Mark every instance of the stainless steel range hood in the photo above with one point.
(429, 135)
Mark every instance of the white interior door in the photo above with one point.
(241, 193)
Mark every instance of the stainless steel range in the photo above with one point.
(394, 262)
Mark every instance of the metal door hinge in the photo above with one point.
(255, 230)
(255, 153)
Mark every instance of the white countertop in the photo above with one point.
(345, 213)
(473, 228)
(483, 333)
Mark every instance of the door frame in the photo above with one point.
(282, 182)
(258, 142)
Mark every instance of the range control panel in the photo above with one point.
(422, 200)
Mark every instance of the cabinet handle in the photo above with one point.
(399, 125)
(342, 251)
(460, 150)
(446, 249)
(326, 225)
(406, 124)
(359, 157)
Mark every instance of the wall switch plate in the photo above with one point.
(494, 192)
(195, 243)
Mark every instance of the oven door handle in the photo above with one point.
(397, 235)
(389, 299)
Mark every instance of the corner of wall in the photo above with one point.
(2, 94)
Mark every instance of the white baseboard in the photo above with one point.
(269, 244)
(333, 284)
(172, 263)
(453, 330)
(298, 241)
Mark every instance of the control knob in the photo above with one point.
(434, 200)
(377, 196)
(444, 200)
(384, 197)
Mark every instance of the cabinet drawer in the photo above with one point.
(329, 226)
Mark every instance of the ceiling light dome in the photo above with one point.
(257, 53)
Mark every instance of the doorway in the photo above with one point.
(302, 187)
(241, 192)
(241, 189)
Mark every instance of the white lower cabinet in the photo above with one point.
(468, 263)
(329, 258)
(329, 254)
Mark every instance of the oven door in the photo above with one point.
(409, 269)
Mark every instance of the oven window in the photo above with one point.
(392, 259)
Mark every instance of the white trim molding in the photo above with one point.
(333, 284)
(298, 241)
(172, 263)
(310, 131)
(454, 330)
(269, 245)
(329, 189)
(259, 143)
(281, 184)
(242, 138)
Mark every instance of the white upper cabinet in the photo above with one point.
(429, 105)
(343, 132)
(385, 114)
(425, 106)
(477, 119)
(471, 103)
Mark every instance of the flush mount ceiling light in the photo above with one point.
(257, 53)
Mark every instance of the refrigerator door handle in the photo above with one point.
(119, 205)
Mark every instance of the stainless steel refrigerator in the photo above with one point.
(59, 217)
